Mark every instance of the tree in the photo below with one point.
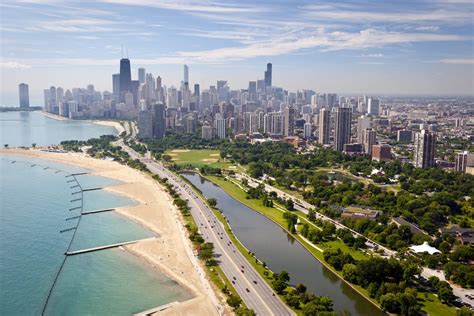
(349, 272)
(390, 303)
(290, 205)
(5, 145)
(234, 301)
(33, 145)
(212, 202)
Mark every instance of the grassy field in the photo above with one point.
(198, 157)
(431, 304)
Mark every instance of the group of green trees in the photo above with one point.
(299, 299)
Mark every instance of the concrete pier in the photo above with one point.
(78, 252)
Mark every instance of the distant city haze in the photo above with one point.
(408, 48)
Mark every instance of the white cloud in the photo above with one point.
(296, 41)
(189, 5)
(458, 61)
(79, 25)
(84, 37)
(13, 65)
(355, 15)
(427, 28)
(375, 55)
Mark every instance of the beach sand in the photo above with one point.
(171, 252)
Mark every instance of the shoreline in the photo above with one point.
(115, 124)
(171, 251)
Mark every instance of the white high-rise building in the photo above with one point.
(206, 132)
(363, 122)
(172, 100)
(463, 160)
(369, 140)
(186, 74)
(220, 126)
(324, 126)
(425, 143)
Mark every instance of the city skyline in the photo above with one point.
(344, 47)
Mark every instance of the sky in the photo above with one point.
(411, 47)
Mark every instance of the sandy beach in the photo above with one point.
(172, 251)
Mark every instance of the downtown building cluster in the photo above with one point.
(356, 125)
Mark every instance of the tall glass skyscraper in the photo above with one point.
(268, 76)
(125, 78)
(24, 95)
(342, 129)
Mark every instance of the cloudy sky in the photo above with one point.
(373, 47)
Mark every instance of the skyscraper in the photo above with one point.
(289, 125)
(186, 74)
(307, 131)
(363, 122)
(116, 86)
(145, 124)
(368, 140)
(342, 128)
(125, 78)
(374, 107)
(425, 143)
(324, 126)
(463, 160)
(219, 125)
(24, 95)
(141, 75)
(159, 120)
(268, 76)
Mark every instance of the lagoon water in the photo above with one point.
(25, 128)
(35, 202)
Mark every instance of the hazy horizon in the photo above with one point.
(417, 48)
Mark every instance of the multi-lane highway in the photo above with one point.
(251, 287)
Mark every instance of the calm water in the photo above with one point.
(24, 128)
(34, 206)
(281, 252)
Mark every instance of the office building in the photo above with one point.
(425, 143)
(374, 107)
(289, 125)
(381, 153)
(206, 132)
(159, 120)
(268, 76)
(324, 126)
(342, 128)
(220, 126)
(369, 140)
(172, 100)
(404, 136)
(125, 78)
(463, 161)
(141, 75)
(116, 86)
(363, 123)
(186, 74)
(24, 95)
(145, 124)
(307, 131)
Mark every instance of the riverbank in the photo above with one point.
(171, 252)
(115, 124)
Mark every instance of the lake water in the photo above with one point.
(24, 128)
(280, 251)
(35, 201)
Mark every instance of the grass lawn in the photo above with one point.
(432, 305)
(337, 243)
(198, 157)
